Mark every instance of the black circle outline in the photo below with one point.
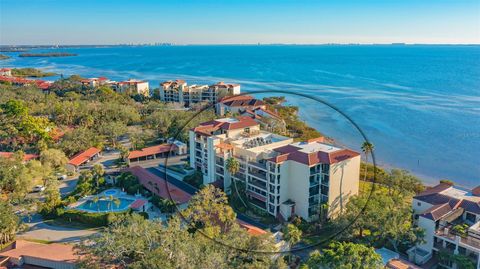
(314, 98)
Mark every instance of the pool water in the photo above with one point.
(110, 192)
(105, 205)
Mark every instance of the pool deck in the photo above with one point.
(105, 194)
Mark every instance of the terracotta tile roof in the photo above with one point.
(471, 206)
(5, 69)
(17, 80)
(243, 102)
(401, 264)
(252, 230)
(436, 189)
(292, 153)
(436, 212)
(175, 83)
(82, 157)
(52, 252)
(26, 157)
(224, 146)
(235, 98)
(152, 150)
(138, 203)
(207, 128)
(222, 84)
(476, 191)
(158, 185)
(269, 112)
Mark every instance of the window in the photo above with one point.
(419, 204)
(470, 217)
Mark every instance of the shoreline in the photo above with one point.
(425, 178)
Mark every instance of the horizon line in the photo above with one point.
(236, 44)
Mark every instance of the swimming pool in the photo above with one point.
(110, 192)
(105, 205)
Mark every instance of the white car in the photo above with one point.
(38, 188)
(61, 177)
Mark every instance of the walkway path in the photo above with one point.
(39, 230)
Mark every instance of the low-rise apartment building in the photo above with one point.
(450, 216)
(95, 82)
(131, 86)
(238, 104)
(179, 92)
(282, 177)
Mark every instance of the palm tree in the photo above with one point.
(233, 166)
(110, 198)
(117, 202)
(95, 201)
(293, 235)
(367, 148)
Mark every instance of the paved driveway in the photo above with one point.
(42, 231)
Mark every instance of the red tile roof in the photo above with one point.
(476, 191)
(222, 84)
(152, 150)
(401, 264)
(207, 128)
(292, 153)
(82, 157)
(252, 230)
(5, 69)
(26, 157)
(235, 98)
(158, 185)
(138, 203)
(174, 83)
(52, 252)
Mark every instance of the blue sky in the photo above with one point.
(238, 21)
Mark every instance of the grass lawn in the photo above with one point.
(67, 224)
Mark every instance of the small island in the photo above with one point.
(4, 57)
(51, 54)
(31, 72)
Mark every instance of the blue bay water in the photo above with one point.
(419, 105)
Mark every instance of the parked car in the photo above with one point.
(38, 188)
(61, 176)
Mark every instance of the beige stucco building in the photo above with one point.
(284, 178)
(179, 92)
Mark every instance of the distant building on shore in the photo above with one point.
(179, 92)
(6, 72)
(131, 86)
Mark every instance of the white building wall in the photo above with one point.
(191, 138)
(297, 183)
(344, 183)
(429, 226)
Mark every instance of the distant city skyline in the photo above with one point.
(89, 22)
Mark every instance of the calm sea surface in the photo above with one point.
(419, 105)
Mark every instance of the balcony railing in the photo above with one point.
(258, 165)
(471, 241)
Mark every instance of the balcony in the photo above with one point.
(258, 165)
(259, 174)
(258, 184)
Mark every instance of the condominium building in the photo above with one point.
(280, 176)
(178, 91)
(238, 104)
(95, 82)
(450, 216)
(131, 86)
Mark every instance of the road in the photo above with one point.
(38, 229)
